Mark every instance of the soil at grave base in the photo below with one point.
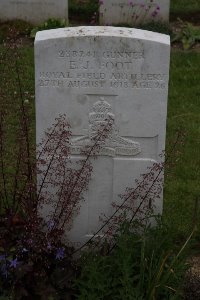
(193, 18)
(19, 42)
(12, 36)
(176, 27)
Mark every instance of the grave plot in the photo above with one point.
(91, 73)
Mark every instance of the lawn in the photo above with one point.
(182, 188)
(184, 6)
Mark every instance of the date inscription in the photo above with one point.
(102, 80)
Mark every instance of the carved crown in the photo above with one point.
(101, 106)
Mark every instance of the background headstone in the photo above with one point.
(34, 11)
(133, 12)
(123, 72)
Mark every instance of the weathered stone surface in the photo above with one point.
(133, 12)
(34, 11)
(89, 73)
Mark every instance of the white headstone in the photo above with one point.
(113, 12)
(34, 11)
(123, 72)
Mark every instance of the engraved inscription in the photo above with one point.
(116, 70)
(105, 54)
(114, 145)
(102, 80)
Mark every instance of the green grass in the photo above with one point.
(83, 10)
(184, 6)
(182, 187)
(139, 267)
(9, 87)
(10, 103)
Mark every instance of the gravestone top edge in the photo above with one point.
(104, 31)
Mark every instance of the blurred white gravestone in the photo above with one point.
(133, 12)
(34, 11)
(90, 72)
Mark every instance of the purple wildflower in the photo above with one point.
(154, 13)
(100, 2)
(50, 224)
(14, 263)
(60, 253)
